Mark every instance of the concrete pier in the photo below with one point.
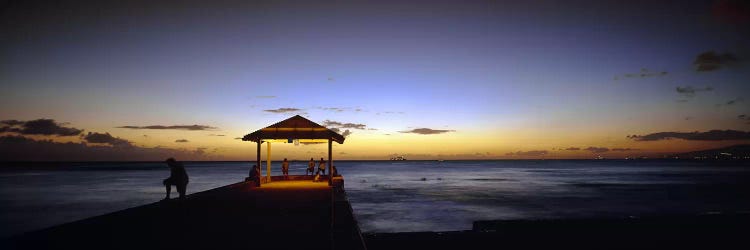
(282, 214)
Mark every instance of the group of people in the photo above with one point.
(178, 176)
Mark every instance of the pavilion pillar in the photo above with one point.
(257, 161)
(330, 162)
(268, 162)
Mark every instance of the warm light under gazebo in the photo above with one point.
(294, 128)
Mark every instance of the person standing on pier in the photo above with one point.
(322, 166)
(285, 168)
(311, 167)
(177, 177)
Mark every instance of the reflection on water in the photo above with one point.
(403, 196)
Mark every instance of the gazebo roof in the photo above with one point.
(296, 127)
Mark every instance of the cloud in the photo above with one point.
(734, 101)
(175, 127)
(238, 138)
(624, 149)
(283, 110)
(710, 61)
(106, 138)
(38, 127)
(20, 148)
(689, 91)
(265, 96)
(596, 150)
(215, 135)
(181, 140)
(712, 135)
(426, 131)
(532, 153)
(334, 109)
(642, 74)
(338, 130)
(573, 148)
(744, 118)
(335, 124)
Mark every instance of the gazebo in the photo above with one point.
(294, 128)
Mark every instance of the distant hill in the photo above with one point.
(731, 152)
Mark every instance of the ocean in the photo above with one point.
(402, 196)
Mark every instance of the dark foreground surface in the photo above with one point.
(683, 232)
(285, 215)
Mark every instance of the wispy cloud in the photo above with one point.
(712, 135)
(532, 153)
(215, 135)
(689, 91)
(283, 110)
(734, 101)
(329, 123)
(572, 149)
(38, 127)
(710, 61)
(181, 140)
(265, 96)
(427, 131)
(596, 150)
(624, 149)
(174, 127)
(642, 74)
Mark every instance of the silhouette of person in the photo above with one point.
(322, 166)
(310, 167)
(177, 177)
(285, 168)
(255, 175)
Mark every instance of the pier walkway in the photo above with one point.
(282, 214)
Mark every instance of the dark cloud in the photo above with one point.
(181, 140)
(216, 135)
(624, 149)
(596, 150)
(106, 138)
(642, 74)
(710, 61)
(283, 110)
(734, 101)
(744, 118)
(38, 127)
(346, 133)
(532, 153)
(426, 131)
(238, 138)
(176, 127)
(689, 91)
(335, 124)
(331, 79)
(713, 135)
(19, 148)
(573, 148)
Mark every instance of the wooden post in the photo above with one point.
(268, 163)
(257, 162)
(330, 162)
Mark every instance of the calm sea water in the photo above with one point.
(403, 196)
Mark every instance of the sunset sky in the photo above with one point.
(427, 79)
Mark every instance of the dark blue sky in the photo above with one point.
(508, 76)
